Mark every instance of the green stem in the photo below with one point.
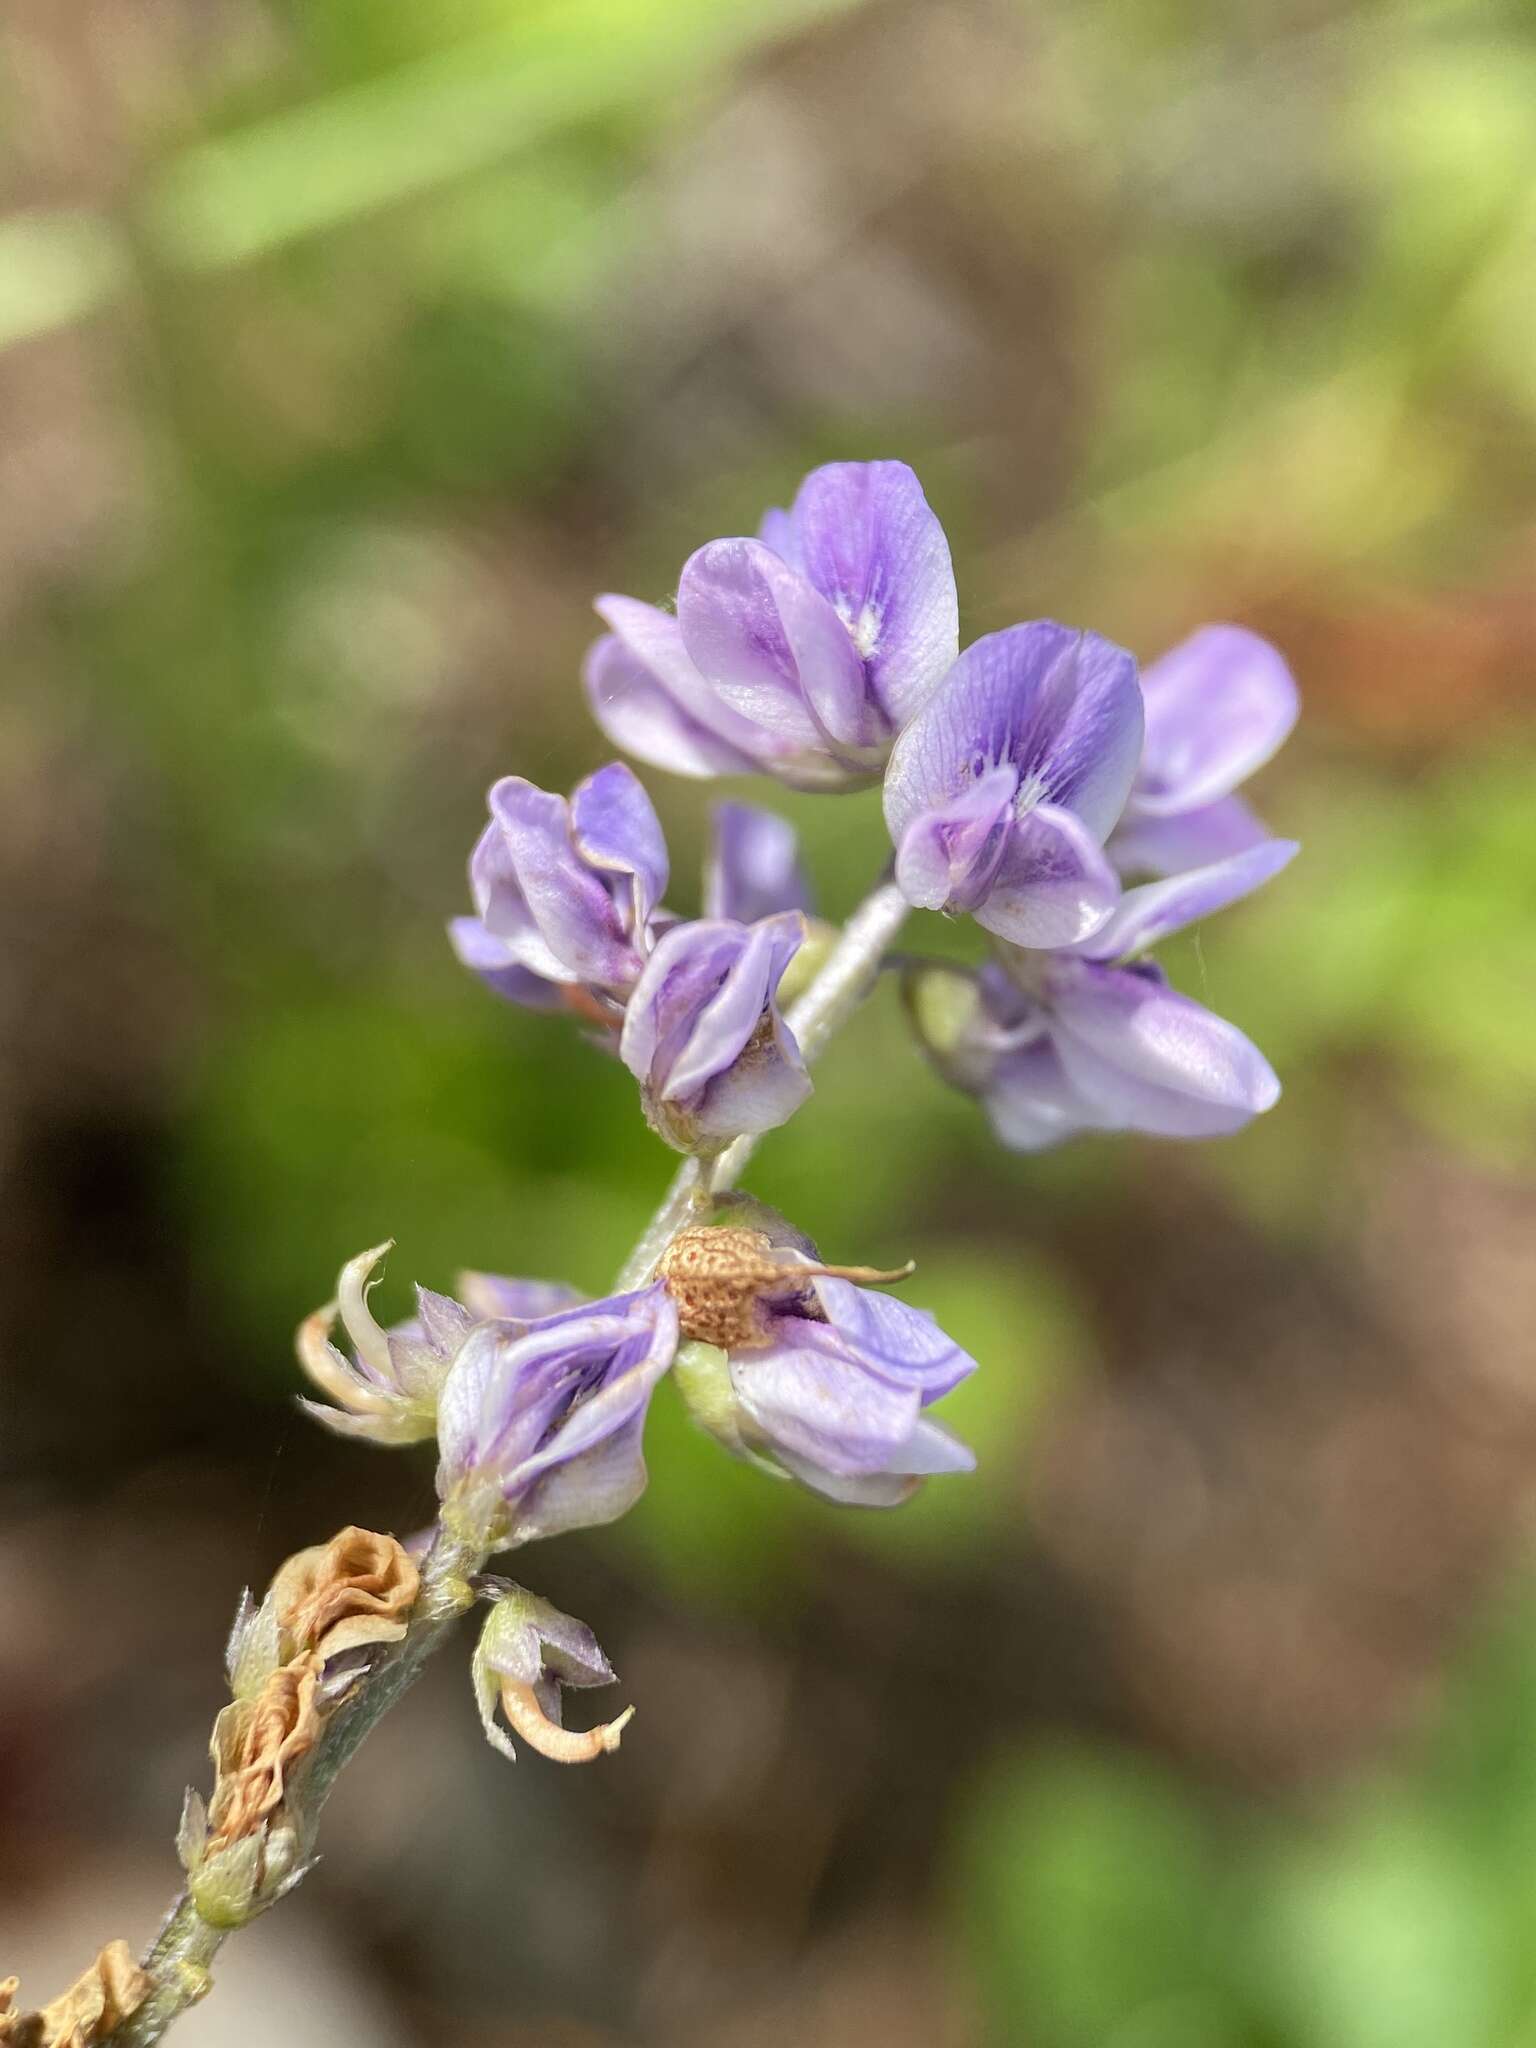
(179, 1961)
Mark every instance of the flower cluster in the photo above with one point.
(1076, 811)
(568, 916)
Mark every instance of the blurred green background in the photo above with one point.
(349, 347)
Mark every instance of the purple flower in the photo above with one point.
(1093, 1038)
(566, 894)
(799, 654)
(1002, 790)
(1218, 706)
(703, 1035)
(753, 869)
(793, 1362)
(539, 1425)
(837, 1396)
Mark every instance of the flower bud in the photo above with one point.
(704, 1037)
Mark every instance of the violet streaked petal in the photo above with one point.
(507, 1386)
(636, 712)
(1147, 915)
(575, 915)
(1052, 885)
(1218, 706)
(504, 913)
(947, 857)
(776, 530)
(590, 1489)
(1031, 1101)
(702, 996)
(753, 868)
(772, 646)
(1150, 1059)
(812, 1397)
(760, 1091)
(866, 538)
(685, 969)
(1144, 845)
(1062, 707)
(726, 1025)
(614, 827)
(571, 1652)
(444, 1322)
(903, 1344)
(494, 1297)
(495, 963)
(930, 1450)
(852, 1490)
(654, 667)
(644, 1352)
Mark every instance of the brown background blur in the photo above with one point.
(348, 349)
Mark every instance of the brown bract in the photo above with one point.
(356, 1589)
(724, 1276)
(256, 1744)
(112, 1988)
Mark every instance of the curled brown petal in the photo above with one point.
(525, 1717)
(256, 1744)
(88, 2012)
(355, 1590)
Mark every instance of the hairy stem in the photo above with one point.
(845, 979)
(179, 1961)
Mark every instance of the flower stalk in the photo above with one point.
(179, 1963)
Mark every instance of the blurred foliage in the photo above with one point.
(1108, 1902)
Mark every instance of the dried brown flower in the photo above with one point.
(723, 1278)
(356, 1589)
(256, 1744)
(112, 1988)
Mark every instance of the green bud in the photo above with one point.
(254, 1650)
(224, 1885)
(942, 1003)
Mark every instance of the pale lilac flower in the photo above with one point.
(799, 654)
(795, 1363)
(1092, 1037)
(539, 1426)
(566, 894)
(1002, 790)
(703, 1035)
(1219, 705)
(837, 1397)
(753, 868)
